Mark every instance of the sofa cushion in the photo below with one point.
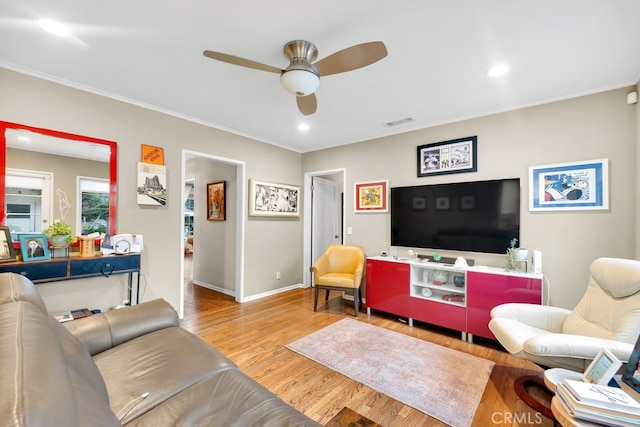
(161, 363)
(228, 398)
(15, 287)
(40, 386)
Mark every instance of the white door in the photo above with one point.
(28, 200)
(323, 220)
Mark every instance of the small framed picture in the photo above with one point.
(34, 247)
(7, 254)
(602, 368)
(216, 201)
(371, 196)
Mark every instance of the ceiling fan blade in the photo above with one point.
(235, 60)
(307, 104)
(351, 58)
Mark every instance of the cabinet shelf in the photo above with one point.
(439, 294)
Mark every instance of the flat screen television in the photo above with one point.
(480, 216)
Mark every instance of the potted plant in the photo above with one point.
(60, 234)
(514, 253)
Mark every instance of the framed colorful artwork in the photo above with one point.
(453, 156)
(271, 199)
(371, 196)
(569, 186)
(216, 201)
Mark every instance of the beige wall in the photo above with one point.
(590, 127)
(269, 243)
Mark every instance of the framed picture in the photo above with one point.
(7, 252)
(569, 186)
(33, 246)
(454, 156)
(443, 203)
(630, 372)
(216, 201)
(152, 184)
(272, 199)
(602, 368)
(371, 196)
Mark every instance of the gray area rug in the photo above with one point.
(443, 383)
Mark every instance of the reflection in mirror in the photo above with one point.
(48, 176)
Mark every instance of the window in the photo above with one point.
(27, 200)
(94, 205)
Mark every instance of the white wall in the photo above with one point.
(590, 127)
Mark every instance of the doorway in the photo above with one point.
(236, 214)
(324, 215)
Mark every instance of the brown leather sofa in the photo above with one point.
(134, 366)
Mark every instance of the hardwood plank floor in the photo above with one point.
(253, 336)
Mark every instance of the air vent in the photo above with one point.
(399, 122)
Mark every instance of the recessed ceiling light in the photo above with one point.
(498, 70)
(23, 138)
(303, 127)
(54, 27)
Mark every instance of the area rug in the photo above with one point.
(443, 383)
(348, 418)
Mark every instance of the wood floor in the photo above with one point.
(253, 335)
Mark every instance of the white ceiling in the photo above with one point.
(149, 52)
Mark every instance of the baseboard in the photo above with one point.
(251, 297)
(215, 288)
(273, 292)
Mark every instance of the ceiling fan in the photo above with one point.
(302, 76)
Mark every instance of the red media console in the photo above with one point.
(459, 298)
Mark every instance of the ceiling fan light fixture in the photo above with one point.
(300, 82)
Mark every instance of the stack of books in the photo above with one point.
(599, 403)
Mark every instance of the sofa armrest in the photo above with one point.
(103, 331)
(543, 317)
(576, 346)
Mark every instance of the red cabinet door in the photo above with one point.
(438, 313)
(485, 291)
(388, 286)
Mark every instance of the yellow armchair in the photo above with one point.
(340, 268)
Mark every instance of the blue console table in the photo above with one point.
(58, 269)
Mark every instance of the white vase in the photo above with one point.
(440, 276)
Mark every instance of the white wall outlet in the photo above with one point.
(278, 275)
(349, 230)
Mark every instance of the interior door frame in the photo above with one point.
(307, 225)
(241, 210)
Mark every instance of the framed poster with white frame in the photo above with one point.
(580, 185)
(273, 199)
